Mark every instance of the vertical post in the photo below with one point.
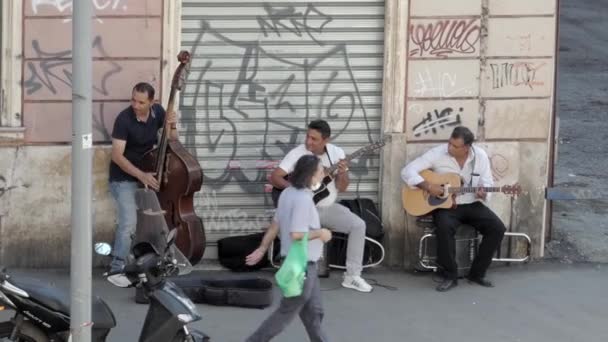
(82, 141)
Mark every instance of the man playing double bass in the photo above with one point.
(135, 132)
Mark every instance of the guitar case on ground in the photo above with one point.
(224, 289)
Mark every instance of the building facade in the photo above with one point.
(406, 70)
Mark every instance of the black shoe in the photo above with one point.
(446, 285)
(480, 281)
(140, 296)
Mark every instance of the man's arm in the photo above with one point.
(118, 150)
(257, 255)
(410, 174)
(342, 178)
(277, 178)
(485, 174)
(172, 121)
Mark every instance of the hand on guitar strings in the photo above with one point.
(481, 193)
(342, 166)
(435, 189)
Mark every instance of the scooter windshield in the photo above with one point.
(183, 265)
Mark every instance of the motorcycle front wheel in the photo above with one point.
(28, 333)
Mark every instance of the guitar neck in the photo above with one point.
(471, 189)
(348, 158)
(164, 139)
(356, 154)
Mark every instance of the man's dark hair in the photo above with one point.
(463, 133)
(302, 173)
(143, 87)
(322, 126)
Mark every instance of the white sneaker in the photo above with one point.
(356, 283)
(119, 280)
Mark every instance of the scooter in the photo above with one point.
(42, 312)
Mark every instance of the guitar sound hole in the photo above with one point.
(434, 201)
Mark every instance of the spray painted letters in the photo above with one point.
(445, 37)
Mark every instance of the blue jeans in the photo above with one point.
(124, 197)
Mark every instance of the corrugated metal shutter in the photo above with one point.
(260, 72)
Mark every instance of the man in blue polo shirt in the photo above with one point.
(135, 132)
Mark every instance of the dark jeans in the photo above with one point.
(308, 306)
(483, 220)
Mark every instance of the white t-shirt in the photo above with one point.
(332, 156)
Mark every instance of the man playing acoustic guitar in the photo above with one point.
(473, 165)
(333, 215)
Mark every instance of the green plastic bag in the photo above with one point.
(290, 277)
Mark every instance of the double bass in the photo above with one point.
(180, 176)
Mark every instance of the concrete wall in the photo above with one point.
(35, 167)
(484, 64)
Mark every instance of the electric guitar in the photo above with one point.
(419, 202)
(328, 187)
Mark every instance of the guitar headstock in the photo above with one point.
(179, 77)
(513, 190)
(374, 146)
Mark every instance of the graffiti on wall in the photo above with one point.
(272, 92)
(518, 74)
(294, 21)
(4, 188)
(440, 84)
(52, 68)
(440, 120)
(65, 6)
(99, 123)
(218, 219)
(444, 37)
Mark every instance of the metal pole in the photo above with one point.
(82, 141)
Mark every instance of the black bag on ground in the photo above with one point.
(232, 251)
(366, 209)
(225, 289)
(252, 292)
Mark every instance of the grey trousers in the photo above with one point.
(340, 219)
(308, 306)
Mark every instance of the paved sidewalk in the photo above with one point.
(535, 303)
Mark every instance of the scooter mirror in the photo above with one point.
(103, 248)
(171, 237)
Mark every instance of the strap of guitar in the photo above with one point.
(473, 167)
(328, 157)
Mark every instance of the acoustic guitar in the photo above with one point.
(327, 187)
(417, 202)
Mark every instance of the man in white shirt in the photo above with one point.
(333, 215)
(473, 165)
